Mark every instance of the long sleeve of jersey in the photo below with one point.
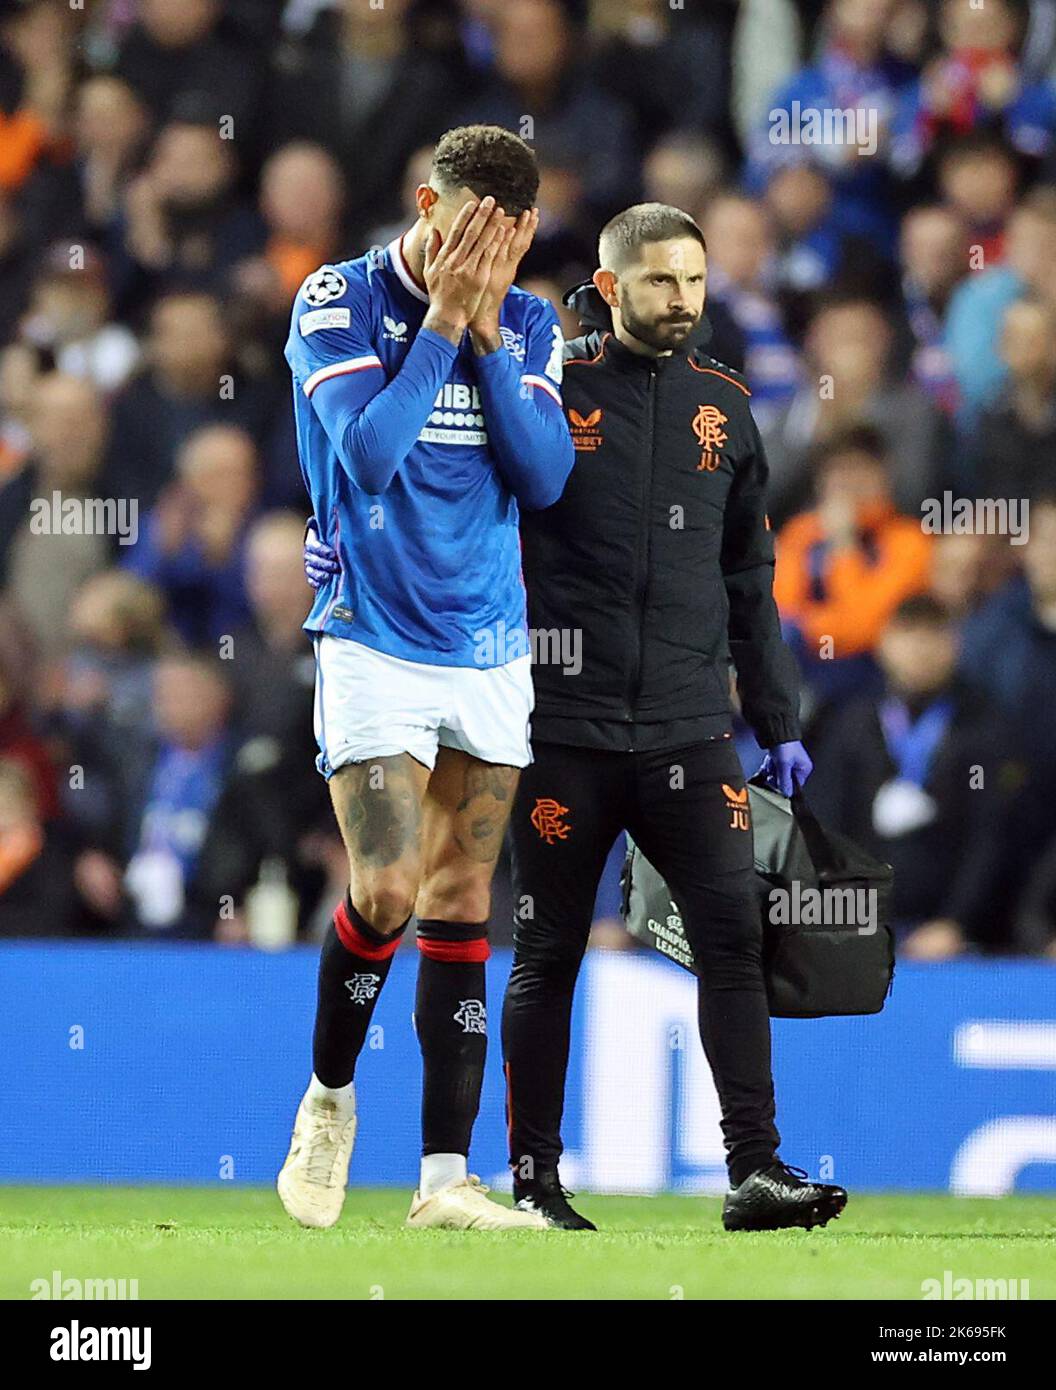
(527, 434)
(373, 426)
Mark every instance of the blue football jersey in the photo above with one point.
(431, 566)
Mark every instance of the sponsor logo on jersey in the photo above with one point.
(316, 319)
(394, 330)
(323, 286)
(586, 430)
(737, 805)
(457, 417)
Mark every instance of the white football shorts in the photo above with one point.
(371, 705)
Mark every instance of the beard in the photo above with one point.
(662, 335)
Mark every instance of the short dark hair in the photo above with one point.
(854, 439)
(922, 610)
(490, 161)
(635, 226)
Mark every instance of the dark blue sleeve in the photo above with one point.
(373, 425)
(527, 433)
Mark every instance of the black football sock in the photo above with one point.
(353, 964)
(451, 1022)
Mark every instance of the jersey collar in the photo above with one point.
(403, 270)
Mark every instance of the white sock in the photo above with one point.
(343, 1096)
(441, 1170)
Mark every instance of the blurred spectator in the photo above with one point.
(768, 38)
(850, 381)
(38, 892)
(359, 85)
(273, 670)
(186, 226)
(564, 244)
(36, 72)
(18, 261)
(301, 197)
(974, 81)
(181, 785)
(979, 303)
(1009, 650)
(799, 200)
(174, 49)
(190, 381)
(18, 376)
(110, 127)
(538, 69)
(934, 260)
(101, 711)
(740, 270)
(69, 319)
(21, 743)
(979, 180)
(672, 67)
(966, 568)
(684, 170)
(192, 546)
(843, 568)
(854, 78)
(416, 172)
(275, 806)
(1015, 445)
(899, 773)
(49, 541)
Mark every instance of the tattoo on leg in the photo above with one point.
(378, 810)
(484, 810)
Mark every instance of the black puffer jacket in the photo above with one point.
(656, 565)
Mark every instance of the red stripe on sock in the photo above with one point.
(353, 940)
(472, 951)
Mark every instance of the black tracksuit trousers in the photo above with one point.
(681, 806)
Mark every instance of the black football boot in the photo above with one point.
(778, 1196)
(544, 1194)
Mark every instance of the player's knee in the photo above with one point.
(450, 898)
(386, 902)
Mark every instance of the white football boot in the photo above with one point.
(466, 1206)
(313, 1179)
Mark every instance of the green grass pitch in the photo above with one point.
(237, 1243)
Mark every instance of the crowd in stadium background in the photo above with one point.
(171, 170)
